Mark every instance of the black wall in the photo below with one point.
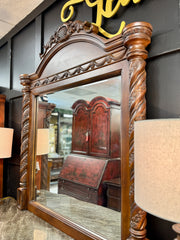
(19, 53)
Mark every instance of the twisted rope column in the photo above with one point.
(136, 39)
(26, 106)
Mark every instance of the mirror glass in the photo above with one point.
(78, 156)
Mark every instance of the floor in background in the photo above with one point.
(54, 187)
(23, 225)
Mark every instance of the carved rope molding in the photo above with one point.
(21, 196)
(137, 36)
(66, 30)
(80, 69)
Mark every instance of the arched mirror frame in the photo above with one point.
(124, 54)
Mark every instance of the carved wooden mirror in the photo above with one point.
(88, 91)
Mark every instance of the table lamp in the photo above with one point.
(6, 138)
(157, 168)
(42, 146)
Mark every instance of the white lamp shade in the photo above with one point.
(42, 141)
(6, 138)
(157, 167)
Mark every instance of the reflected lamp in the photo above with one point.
(6, 138)
(42, 141)
(157, 168)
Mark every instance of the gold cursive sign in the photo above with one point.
(106, 10)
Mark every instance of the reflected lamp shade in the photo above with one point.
(42, 141)
(6, 138)
(157, 167)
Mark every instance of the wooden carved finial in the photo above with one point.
(25, 82)
(136, 36)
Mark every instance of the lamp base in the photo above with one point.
(176, 228)
(137, 234)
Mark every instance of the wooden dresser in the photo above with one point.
(113, 192)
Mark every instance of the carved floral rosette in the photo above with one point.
(137, 36)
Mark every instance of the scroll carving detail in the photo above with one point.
(89, 66)
(66, 30)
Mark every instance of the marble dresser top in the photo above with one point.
(103, 221)
(24, 225)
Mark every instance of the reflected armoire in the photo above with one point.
(95, 148)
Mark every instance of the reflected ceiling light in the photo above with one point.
(54, 114)
(67, 115)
